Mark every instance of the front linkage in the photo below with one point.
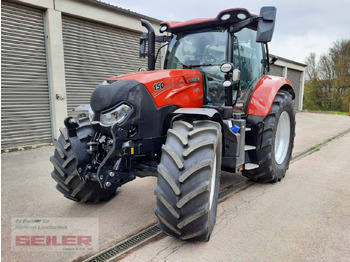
(113, 161)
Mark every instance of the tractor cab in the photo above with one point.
(230, 50)
(209, 50)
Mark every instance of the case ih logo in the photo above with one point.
(55, 234)
(54, 241)
(195, 79)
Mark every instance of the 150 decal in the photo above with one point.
(158, 86)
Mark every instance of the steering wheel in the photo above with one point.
(209, 59)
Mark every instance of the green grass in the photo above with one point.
(329, 112)
(337, 112)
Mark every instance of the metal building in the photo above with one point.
(25, 102)
(295, 73)
(55, 52)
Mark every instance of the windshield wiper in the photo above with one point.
(191, 66)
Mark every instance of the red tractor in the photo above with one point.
(212, 108)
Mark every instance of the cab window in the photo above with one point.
(252, 62)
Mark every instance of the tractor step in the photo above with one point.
(247, 147)
(250, 166)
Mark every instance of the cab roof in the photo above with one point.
(224, 19)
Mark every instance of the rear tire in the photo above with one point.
(188, 180)
(277, 144)
(65, 171)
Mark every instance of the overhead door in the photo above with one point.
(294, 77)
(25, 107)
(276, 70)
(94, 52)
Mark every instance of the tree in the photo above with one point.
(328, 82)
(311, 70)
(311, 94)
(340, 55)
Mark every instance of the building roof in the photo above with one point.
(122, 10)
(288, 60)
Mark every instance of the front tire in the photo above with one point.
(277, 141)
(188, 180)
(65, 171)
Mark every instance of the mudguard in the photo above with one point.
(208, 113)
(265, 92)
(197, 111)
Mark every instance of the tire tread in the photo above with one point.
(184, 179)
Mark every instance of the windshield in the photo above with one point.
(205, 51)
(197, 49)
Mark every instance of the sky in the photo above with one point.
(302, 26)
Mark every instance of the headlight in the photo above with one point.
(226, 67)
(91, 114)
(116, 115)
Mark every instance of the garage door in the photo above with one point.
(94, 52)
(294, 77)
(276, 70)
(25, 107)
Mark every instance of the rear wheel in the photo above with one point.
(277, 143)
(65, 167)
(188, 180)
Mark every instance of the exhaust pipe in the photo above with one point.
(151, 44)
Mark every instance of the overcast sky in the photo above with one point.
(302, 26)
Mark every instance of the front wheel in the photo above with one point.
(65, 164)
(188, 180)
(277, 140)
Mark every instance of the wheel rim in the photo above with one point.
(282, 137)
(212, 183)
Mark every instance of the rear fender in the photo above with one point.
(265, 93)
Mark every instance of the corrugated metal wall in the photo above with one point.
(94, 52)
(276, 70)
(25, 107)
(294, 78)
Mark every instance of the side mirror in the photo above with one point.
(143, 39)
(266, 24)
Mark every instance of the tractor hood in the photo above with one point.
(152, 96)
(107, 95)
(183, 88)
